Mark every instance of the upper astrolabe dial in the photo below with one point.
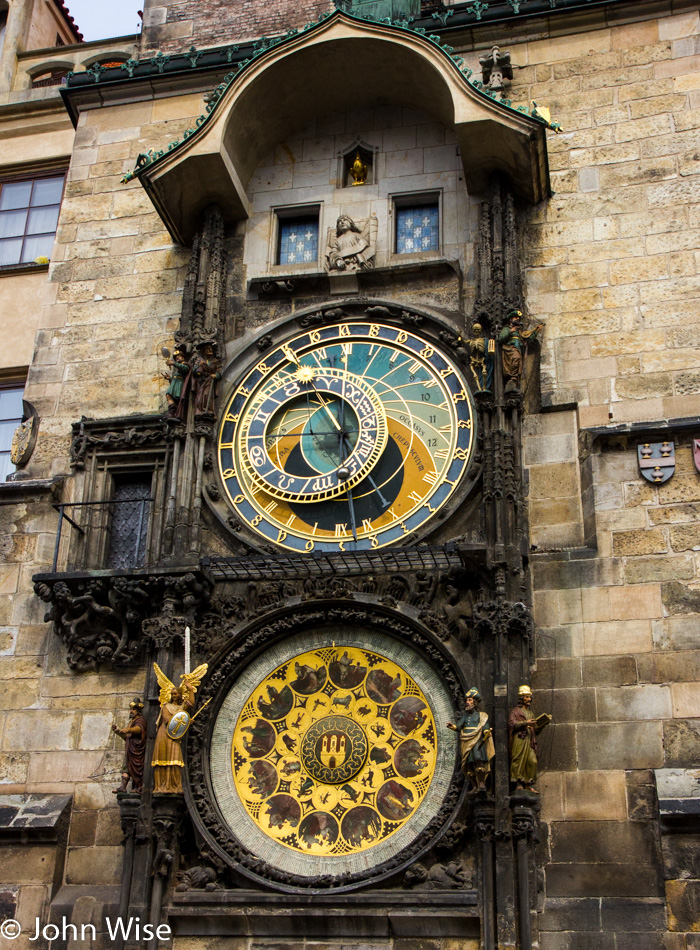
(346, 438)
(333, 420)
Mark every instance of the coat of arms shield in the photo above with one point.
(657, 461)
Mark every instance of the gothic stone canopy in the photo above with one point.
(338, 63)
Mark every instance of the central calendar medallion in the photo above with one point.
(334, 750)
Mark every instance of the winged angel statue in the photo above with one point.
(176, 705)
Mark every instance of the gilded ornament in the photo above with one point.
(358, 170)
(176, 705)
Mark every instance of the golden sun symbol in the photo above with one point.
(305, 374)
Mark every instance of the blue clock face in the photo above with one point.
(346, 438)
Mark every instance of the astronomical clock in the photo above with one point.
(347, 437)
(325, 759)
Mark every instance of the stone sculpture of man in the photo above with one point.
(523, 727)
(207, 372)
(513, 340)
(475, 741)
(134, 736)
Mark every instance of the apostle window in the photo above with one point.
(297, 238)
(28, 219)
(417, 224)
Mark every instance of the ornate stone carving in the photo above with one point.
(440, 876)
(351, 245)
(126, 432)
(496, 70)
(107, 621)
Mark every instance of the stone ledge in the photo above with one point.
(320, 282)
(33, 817)
(678, 792)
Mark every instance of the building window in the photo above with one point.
(298, 239)
(129, 524)
(11, 412)
(417, 226)
(28, 219)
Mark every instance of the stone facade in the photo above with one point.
(610, 264)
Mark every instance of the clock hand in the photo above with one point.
(351, 506)
(369, 478)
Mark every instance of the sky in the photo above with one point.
(99, 19)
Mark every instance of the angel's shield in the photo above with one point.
(179, 724)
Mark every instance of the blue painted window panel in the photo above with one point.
(298, 240)
(417, 229)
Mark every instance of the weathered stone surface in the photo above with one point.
(594, 795)
(94, 865)
(610, 670)
(632, 636)
(686, 700)
(642, 570)
(602, 880)
(681, 855)
(627, 745)
(682, 743)
(683, 899)
(650, 541)
(22, 864)
(609, 842)
(680, 598)
(570, 914)
(634, 702)
(633, 915)
(669, 667)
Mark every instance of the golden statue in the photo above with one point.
(176, 705)
(358, 170)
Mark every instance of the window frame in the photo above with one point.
(11, 385)
(33, 176)
(428, 198)
(287, 213)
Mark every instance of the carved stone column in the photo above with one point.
(167, 815)
(485, 824)
(129, 806)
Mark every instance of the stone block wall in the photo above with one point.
(612, 270)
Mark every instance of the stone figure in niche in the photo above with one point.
(207, 372)
(351, 245)
(513, 340)
(481, 356)
(475, 741)
(134, 736)
(176, 705)
(180, 370)
(523, 727)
